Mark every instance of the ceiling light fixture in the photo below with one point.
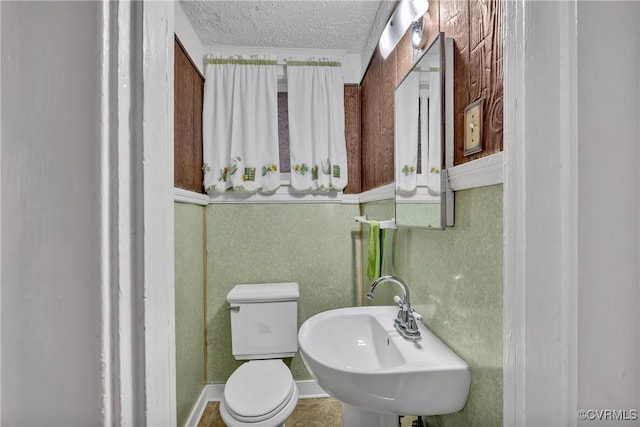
(417, 31)
(407, 12)
(420, 7)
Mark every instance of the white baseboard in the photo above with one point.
(199, 406)
(307, 389)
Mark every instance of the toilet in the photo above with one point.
(264, 330)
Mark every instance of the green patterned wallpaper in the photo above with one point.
(455, 278)
(316, 245)
(418, 215)
(189, 272)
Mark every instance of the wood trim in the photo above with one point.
(481, 172)
(181, 195)
(155, 289)
(379, 193)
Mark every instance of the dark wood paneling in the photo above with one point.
(404, 60)
(378, 87)
(198, 89)
(370, 108)
(485, 49)
(187, 136)
(352, 137)
(454, 22)
(475, 26)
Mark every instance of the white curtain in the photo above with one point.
(240, 124)
(407, 113)
(435, 129)
(316, 125)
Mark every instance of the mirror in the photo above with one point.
(423, 105)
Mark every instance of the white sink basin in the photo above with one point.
(356, 355)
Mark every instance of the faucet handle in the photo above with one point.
(404, 306)
(416, 315)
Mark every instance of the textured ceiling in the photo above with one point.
(307, 24)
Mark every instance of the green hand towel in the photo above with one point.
(375, 251)
(383, 253)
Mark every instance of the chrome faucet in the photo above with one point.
(405, 321)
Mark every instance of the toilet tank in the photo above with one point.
(264, 320)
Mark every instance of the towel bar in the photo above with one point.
(388, 224)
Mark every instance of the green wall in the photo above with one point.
(456, 283)
(189, 265)
(316, 245)
(455, 277)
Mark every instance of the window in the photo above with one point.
(283, 132)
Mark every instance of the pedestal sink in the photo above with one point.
(356, 355)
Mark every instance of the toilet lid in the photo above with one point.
(258, 388)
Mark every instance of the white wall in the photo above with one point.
(87, 297)
(188, 37)
(572, 212)
(608, 85)
(50, 214)
(351, 62)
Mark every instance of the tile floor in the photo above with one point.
(324, 412)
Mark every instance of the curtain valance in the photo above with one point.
(316, 125)
(240, 124)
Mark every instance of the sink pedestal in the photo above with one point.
(354, 416)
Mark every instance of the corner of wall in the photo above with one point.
(188, 36)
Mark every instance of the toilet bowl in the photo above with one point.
(260, 393)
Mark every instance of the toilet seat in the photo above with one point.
(258, 391)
